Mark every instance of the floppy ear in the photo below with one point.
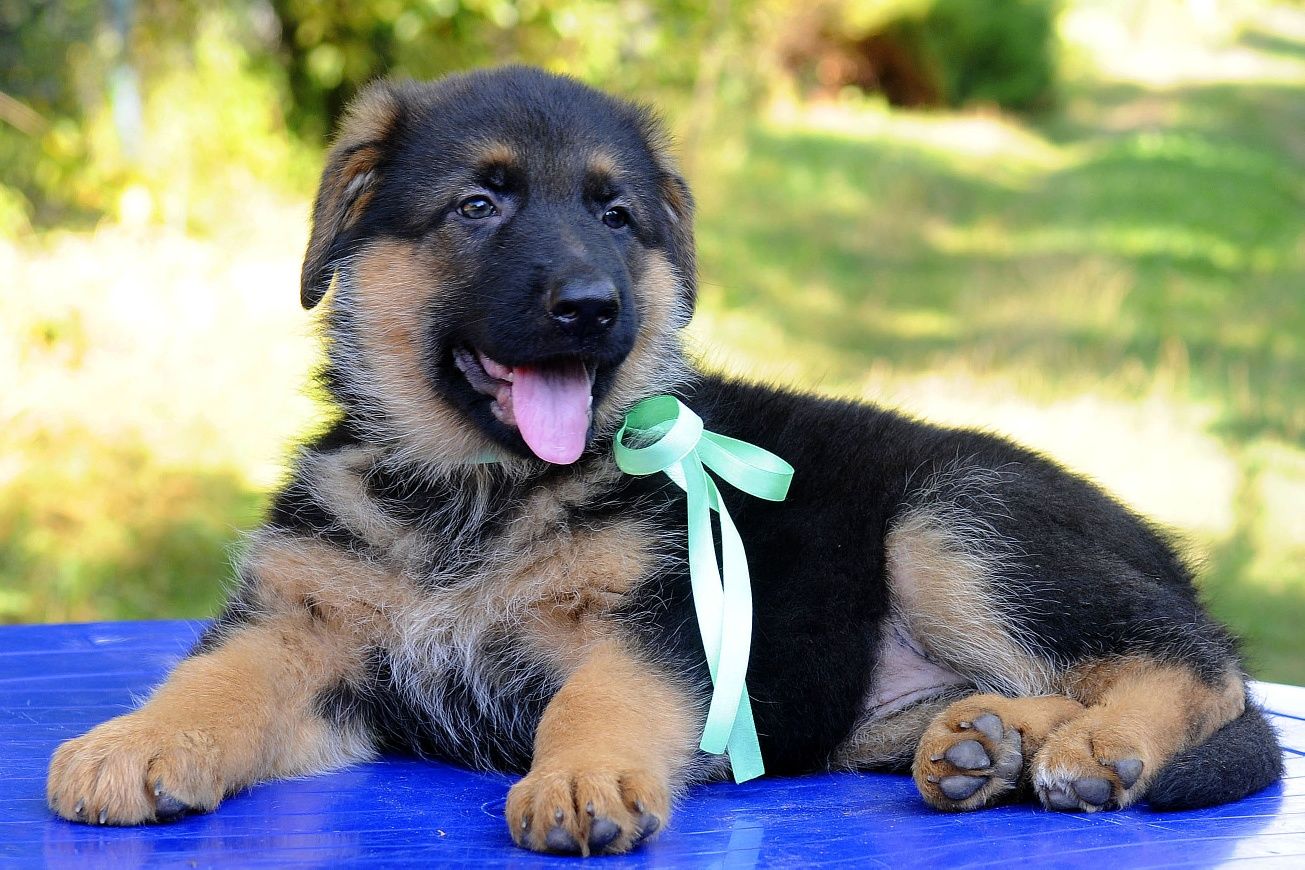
(678, 203)
(352, 171)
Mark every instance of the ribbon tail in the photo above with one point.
(735, 629)
(708, 600)
(744, 747)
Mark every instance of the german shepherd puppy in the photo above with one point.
(458, 569)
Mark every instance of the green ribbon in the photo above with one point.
(671, 438)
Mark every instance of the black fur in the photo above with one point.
(1239, 759)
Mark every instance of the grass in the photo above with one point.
(1120, 284)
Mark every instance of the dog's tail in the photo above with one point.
(1240, 758)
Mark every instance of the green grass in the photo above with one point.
(1120, 284)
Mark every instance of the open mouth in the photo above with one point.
(550, 403)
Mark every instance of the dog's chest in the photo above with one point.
(469, 663)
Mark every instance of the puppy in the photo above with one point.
(458, 569)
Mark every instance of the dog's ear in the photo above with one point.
(352, 171)
(678, 203)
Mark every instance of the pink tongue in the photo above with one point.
(551, 404)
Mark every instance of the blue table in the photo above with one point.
(58, 681)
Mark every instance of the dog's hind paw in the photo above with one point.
(131, 771)
(1089, 765)
(968, 759)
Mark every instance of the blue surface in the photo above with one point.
(58, 681)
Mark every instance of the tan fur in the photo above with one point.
(368, 116)
(352, 599)
(549, 586)
(1026, 724)
(613, 744)
(222, 721)
(604, 165)
(347, 182)
(939, 578)
(390, 284)
(1137, 709)
(243, 712)
(339, 486)
(497, 154)
(387, 288)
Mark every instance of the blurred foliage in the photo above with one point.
(332, 48)
(1115, 278)
(189, 102)
(936, 52)
(174, 104)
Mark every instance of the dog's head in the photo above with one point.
(512, 258)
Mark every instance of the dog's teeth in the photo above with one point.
(495, 370)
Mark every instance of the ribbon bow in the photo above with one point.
(671, 438)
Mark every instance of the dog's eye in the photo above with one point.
(477, 208)
(616, 217)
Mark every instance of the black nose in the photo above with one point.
(584, 306)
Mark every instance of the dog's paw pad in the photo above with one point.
(966, 762)
(559, 839)
(168, 808)
(1129, 770)
(968, 755)
(602, 831)
(990, 725)
(1059, 797)
(1088, 794)
(648, 823)
(960, 787)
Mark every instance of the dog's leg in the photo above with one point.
(226, 718)
(611, 749)
(972, 755)
(1141, 712)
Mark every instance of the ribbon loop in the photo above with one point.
(670, 438)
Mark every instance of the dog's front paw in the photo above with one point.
(1091, 764)
(131, 770)
(586, 809)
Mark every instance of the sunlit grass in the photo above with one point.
(154, 383)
